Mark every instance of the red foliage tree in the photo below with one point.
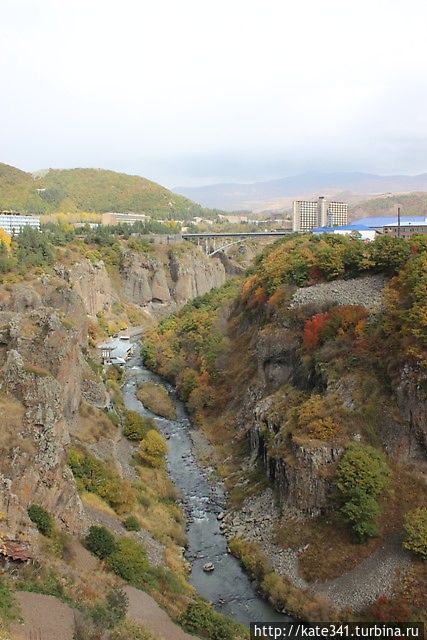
(312, 329)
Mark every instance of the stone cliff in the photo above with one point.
(43, 330)
(44, 370)
(165, 279)
(301, 468)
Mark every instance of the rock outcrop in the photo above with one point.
(166, 279)
(43, 370)
(44, 375)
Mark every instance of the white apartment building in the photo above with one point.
(13, 222)
(308, 214)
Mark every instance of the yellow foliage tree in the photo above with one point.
(153, 449)
(5, 239)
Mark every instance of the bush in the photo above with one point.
(416, 531)
(9, 608)
(42, 519)
(153, 449)
(101, 542)
(93, 475)
(108, 614)
(200, 617)
(131, 523)
(130, 631)
(136, 426)
(129, 561)
(361, 476)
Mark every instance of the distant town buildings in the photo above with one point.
(357, 230)
(13, 222)
(123, 218)
(234, 218)
(407, 229)
(308, 214)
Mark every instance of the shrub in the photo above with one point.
(131, 523)
(153, 449)
(361, 476)
(9, 608)
(200, 617)
(109, 614)
(416, 531)
(136, 426)
(93, 475)
(42, 519)
(317, 419)
(129, 561)
(101, 542)
(130, 631)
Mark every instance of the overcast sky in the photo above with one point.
(198, 91)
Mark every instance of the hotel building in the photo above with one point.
(308, 214)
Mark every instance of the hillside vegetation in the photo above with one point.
(412, 204)
(331, 399)
(90, 190)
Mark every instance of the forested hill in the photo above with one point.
(95, 190)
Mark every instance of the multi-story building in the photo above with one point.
(308, 214)
(13, 222)
(337, 214)
(406, 230)
(123, 218)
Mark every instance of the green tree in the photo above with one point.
(101, 542)
(129, 561)
(33, 249)
(416, 531)
(330, 262)
(389, 254)
(136, 426)
(42, 519)
(361, 476)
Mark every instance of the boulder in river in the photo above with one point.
(208, 567)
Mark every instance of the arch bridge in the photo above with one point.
(227, 239)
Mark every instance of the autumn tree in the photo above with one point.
(361, 477)
(153, 449)
(416, 531)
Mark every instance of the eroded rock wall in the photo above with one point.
(164, 280)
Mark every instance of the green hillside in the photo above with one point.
(97, 190)
(18, 190)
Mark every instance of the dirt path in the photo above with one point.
(45, 618)
(371, 578)
(144, 610)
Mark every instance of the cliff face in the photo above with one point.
(43, 330)
(301, 468)
(167, 278)
(44, 375)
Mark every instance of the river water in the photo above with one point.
(228, 587)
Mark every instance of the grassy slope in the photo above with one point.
(412, 204)
(89, 190)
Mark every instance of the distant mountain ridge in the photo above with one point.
(94, 190)
(235, 196)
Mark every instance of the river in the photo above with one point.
(228, 587)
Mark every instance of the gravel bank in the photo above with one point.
(355, 589)
(367, 291)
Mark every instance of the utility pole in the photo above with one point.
(398, 222)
